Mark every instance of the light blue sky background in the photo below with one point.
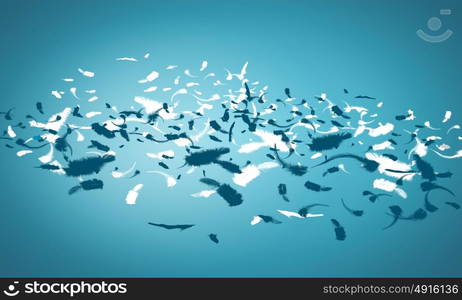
(369, 47)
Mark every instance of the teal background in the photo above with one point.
(310, 46)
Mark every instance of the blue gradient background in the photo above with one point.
(310, 46)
